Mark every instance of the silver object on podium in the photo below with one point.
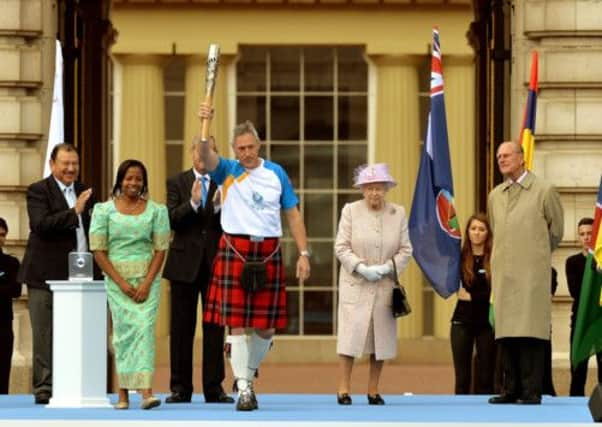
(80, 266)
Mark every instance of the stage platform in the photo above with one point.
(317, 410)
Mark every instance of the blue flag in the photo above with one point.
(434, 229)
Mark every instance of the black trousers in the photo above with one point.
(548, 378)
(40, 313)
(184, 302)
(523, 360)
(579, 372)
(6, 354)
(464, 338)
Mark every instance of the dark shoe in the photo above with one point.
(344, 399)
(529, 400)
(375, 400)
(42, 398)
(178, 398)
(246, 400)
(220, 398)
(502, 398)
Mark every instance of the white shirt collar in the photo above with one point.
(520, 178)
(260, 164)
(62, 186)
(198, 175)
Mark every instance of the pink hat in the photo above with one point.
(368, 174)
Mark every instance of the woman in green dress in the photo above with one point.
(129, 236)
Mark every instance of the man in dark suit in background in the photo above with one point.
(9, 288)
(197, 231)
(575, 268)
(59, 209)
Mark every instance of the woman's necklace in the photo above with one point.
(129, 208)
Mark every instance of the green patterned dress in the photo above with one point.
(130, 242)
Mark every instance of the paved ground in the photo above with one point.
(322, 378)
(306, 410)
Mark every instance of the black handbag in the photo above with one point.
(400, 305)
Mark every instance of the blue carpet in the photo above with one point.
(312, 407)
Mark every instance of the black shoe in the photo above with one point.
(220, 398)
(375, 400)
(529, 400)
(344, 399)
(177, 397)
(502, 398)
(246, 400)
(42, 398)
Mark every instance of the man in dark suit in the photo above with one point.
(575, 269)
(59, 209)
(9, 288)
(197, 230)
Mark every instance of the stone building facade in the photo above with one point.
(157, 80)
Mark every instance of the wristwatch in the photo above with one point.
(305, 253)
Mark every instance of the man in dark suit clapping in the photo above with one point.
(197, 231)
(59, 209)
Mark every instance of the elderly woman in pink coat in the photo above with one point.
(372, 234)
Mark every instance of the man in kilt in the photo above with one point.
(247, 290)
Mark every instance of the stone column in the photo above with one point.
(398, 144)
(459, 86)
(27, 53)
(143, 118)
(142, 137)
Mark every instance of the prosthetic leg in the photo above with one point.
(246, 354)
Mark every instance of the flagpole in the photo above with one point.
(527, 133)
(56, 130)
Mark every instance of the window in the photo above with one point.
(310, 107)
(173, 86)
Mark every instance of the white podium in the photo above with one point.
(79, 350)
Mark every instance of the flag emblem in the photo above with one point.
(446, 214)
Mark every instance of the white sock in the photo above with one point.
(258, 348)
(239, 359)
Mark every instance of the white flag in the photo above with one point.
(56, 132)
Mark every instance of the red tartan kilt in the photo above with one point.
(229, 304)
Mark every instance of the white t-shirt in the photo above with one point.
(252, 199)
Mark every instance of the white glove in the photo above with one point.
(370, 273)
(384, 269)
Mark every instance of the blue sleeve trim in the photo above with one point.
(288, 198)
(223, 169)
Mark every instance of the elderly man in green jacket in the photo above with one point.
(527, 221)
